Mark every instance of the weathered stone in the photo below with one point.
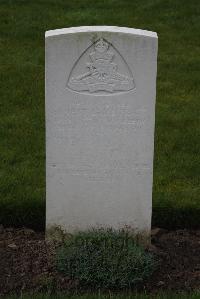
(100, 106)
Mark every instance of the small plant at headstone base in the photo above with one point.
(105, 259)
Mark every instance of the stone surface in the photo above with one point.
(100, 106)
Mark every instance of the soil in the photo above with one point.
(27, 262)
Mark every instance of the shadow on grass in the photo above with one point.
(32, 214)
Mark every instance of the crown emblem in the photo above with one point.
(101, 46)
(102, 73)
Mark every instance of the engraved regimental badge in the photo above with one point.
(101, 69)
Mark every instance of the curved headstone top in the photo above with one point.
(115, 29)
(100, 108)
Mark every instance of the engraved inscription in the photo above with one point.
(101, 69)
(97, 118)
(117, 171)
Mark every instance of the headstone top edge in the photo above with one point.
(114, 29)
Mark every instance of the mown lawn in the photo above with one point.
(112, 296)
(176, 194)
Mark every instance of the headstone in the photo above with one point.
(100, 108)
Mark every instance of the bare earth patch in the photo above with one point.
(27, 262)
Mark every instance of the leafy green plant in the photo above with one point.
(105, 259)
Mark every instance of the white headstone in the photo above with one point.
(100, 108)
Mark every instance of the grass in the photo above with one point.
(176, 192)
(112, 296)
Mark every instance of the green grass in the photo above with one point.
(176, 193)
(111, 296)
